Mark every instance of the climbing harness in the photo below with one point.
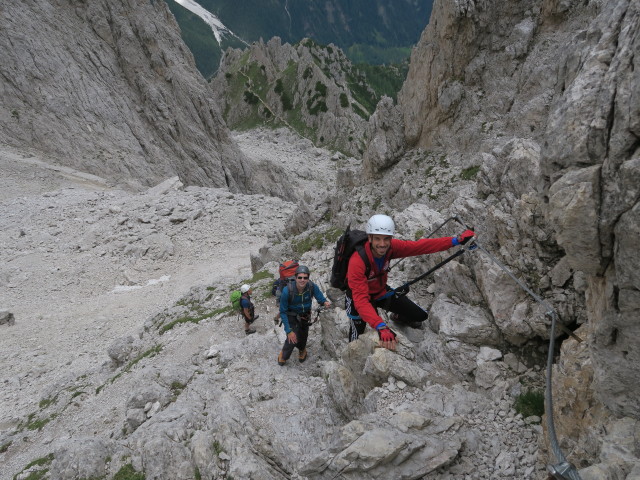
(562, 469)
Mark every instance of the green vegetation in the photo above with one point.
(176, 387)
(45, 402)
(38, 423)
(285, 98)
(199, 38)
(196, 312)
(127, 472)
(385, 79)
(372, 55)
(362, 93)
(359, 111)
(530, 403)
(419, 234)
(217, 447)
(5, 446)
(315, 240)
(247, 85)
(193, 319)
(317, 103)
(365, 35)
(469, 173)
(250, 98)
(259, 275)
(37, 474)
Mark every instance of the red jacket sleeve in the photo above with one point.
(409, 248)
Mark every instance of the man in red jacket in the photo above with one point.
(367, 284)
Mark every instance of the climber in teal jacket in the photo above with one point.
(295, 312)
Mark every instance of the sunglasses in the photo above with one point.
(302, 278)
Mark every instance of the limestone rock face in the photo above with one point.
(385, 138)
(573, 201)
(543, 98)
(120, 97)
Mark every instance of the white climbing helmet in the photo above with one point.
(245, 288)
(381, 225)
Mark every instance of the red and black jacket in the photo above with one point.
(366, 289)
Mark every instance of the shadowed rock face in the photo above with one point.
(109, 87)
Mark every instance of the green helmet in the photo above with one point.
(303, 269)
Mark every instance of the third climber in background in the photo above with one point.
(247, 309)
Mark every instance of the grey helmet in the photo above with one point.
(303, 269)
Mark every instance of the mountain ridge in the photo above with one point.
(379, 34)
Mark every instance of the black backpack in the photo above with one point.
(349, 242)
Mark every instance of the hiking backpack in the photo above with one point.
(235, 297)
(349, 242)
(286, 271)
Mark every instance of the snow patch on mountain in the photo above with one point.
(218, 28)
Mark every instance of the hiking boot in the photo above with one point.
(249, 331)
(281, 360)
(400, 321)
(302, 356)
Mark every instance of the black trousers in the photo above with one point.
(301, 328)
(408, 312)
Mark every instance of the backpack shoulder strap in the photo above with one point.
(291, 284)
(367, 264)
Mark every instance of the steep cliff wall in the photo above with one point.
(109, 87)
(544, 97)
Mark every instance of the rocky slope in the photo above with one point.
(124, 357)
